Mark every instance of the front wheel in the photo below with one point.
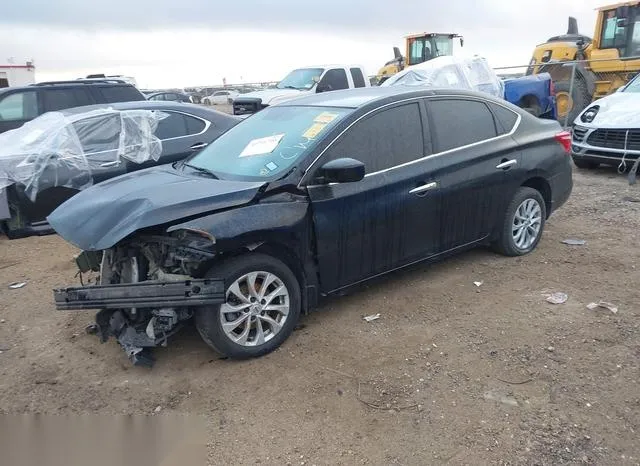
(261, 310)
(585, 164)
(522, 224)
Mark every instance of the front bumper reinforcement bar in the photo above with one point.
(200, 292)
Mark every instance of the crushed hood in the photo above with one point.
(101, 216)
(619, 110)
(273, 96)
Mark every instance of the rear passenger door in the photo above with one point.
(476, 156)
(181, 135)
(388, 219)
(16, 108)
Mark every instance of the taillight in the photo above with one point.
(564, 139)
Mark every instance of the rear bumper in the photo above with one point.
(561, 187)
(187, 293)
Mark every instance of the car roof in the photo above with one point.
(355, 98)
(66, 85)
(198, 110)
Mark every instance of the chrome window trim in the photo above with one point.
(438, 154)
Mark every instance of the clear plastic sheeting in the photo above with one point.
(65, 150)
(472, 73)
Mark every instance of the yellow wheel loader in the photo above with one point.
(599, 65)
(418, 49)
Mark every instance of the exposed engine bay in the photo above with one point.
(146, 290)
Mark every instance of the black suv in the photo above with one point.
(21, 104)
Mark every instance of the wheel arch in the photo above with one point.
(543, 187)
(305, 273)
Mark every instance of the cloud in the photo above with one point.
(200, 41)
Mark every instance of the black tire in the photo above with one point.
(585, 164)
(580, 96)
(505, 244)
(14, 227)
(208, 320)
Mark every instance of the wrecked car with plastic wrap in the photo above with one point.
(304, 200)
(51, 158)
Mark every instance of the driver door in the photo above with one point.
(390, 218)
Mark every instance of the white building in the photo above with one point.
(17, 75)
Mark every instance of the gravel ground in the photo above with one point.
(451, 372)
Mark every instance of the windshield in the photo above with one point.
(269, 144)
(302, 79)
(633, 86)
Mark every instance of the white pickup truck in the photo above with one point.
(300, 82)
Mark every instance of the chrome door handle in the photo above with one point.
(110, 164)
(199, 145)
(424, 187)
(507, 164)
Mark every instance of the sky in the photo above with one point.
(164, 43)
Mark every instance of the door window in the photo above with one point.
(177, 125)
(358, 77)
(459, 122)
(19, 106)
(99, 134)
(113, 94)
(60, 99)
(333, 80)
(389, 138)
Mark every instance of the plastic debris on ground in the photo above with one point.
(472, 73)
(603, 305)
(478, 284)
(557, 298)
(372, 317)
(65, 148)
(16, 285)
(574, 242)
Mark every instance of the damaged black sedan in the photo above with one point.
(302, 201)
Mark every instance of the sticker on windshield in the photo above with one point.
(262, 146)
(271, 166)
(313, 130)
(325, 118)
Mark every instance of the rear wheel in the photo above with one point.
(261, 310)
(585, 164)
(522, 224)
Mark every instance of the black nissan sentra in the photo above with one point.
(302, 201)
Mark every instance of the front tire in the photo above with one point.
(585, 164)
(262, 308)
(523, 223)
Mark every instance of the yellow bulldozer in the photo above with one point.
(418, 49)
(600, 65)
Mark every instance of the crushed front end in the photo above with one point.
(146, 290)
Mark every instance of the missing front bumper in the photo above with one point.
(201, 292)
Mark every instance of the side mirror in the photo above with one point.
(343, 170)
(321, 87)
(462, 42)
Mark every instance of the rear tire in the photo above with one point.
(522, 224)
(262, 325)
(585, 164)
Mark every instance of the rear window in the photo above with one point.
(120, 94)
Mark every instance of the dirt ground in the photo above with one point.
(450, 373)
